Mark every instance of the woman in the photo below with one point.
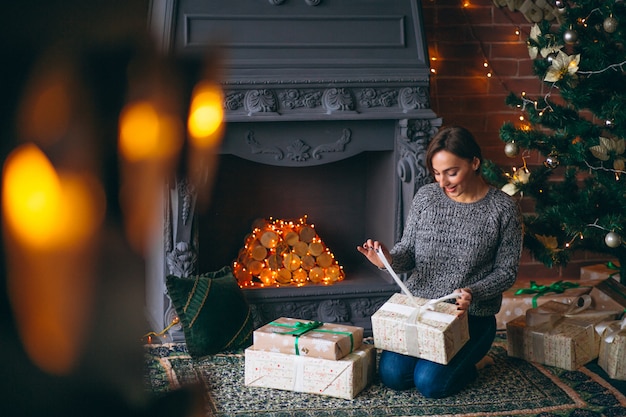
(463, 236)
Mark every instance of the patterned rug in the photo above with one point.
(510, 388)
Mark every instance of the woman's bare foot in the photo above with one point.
(485, 362)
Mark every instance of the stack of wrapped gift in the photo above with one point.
(558, 334)
(409, 326)
(525, 295)
(611, 295)
(612, 357)
(310, 356)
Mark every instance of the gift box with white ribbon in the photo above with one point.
(612, 357)
(419, 327)
(415, 327)
(343, 378)
(558, 334)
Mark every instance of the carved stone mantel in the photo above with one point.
(296, 96)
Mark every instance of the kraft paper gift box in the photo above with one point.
(434, 335)
(343, 378)
(612, 357)
(609, 295)
(308, 338)
(600, 271)
(556, 338)
(526, 295)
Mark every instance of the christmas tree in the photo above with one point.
(578, 129)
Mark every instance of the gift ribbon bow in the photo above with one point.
(611, 329)
(299, 328)
(614, 267)
(558, 287)
(429, 307)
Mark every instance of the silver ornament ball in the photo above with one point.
(612, 240)
(551, 57)
(511, 149)
(552, 160)
(570, 36)
(610, 24)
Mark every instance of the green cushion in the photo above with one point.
(213, 312)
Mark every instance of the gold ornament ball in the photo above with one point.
(610, 24)
(511, 149)
(612, 240)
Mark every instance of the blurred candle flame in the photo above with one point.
(42, 208)
(51, 221)
(206, 115)
(149, 142)
(146, 133)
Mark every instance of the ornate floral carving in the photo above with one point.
(293, 98)
(365, 307)
(297, 310)
(412, 98)
(255, 147)
(185, 193)
(338, 99)
(260, 101)
(333, 311)
(419, 131)
(371, 97)
(234, 100)
(182, 260)
(298, 151)
(414, 139)
(338, 146)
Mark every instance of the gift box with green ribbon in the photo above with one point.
(525, 295)
(601, 271)
(308, 338)
(563, 335)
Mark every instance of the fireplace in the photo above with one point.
(328, 116)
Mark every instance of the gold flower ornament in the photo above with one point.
(610, 147)
(562, 64)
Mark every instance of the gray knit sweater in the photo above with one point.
(448, 245)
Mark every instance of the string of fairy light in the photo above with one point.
(612, 239)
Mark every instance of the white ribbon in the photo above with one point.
(298, 373)
(611, 329)
(421, 309)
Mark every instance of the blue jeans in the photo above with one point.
(433, 380)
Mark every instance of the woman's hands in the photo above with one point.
(369, 249)
(463, 300)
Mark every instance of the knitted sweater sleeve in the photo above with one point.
(506, 261)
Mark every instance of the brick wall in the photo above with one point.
(460, 40)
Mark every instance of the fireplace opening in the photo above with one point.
(347, 201)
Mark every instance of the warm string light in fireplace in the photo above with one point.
(285, 252)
